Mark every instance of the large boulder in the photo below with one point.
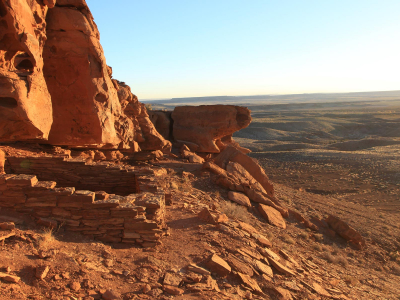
(25, 104)
(209, 126)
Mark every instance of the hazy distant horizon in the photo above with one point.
(270, 95)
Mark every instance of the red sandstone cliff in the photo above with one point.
(25, 104)
(55, 83)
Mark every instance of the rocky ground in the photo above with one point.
(239, 257)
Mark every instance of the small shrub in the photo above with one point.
(46, 239)
(328, 257)
(304, 235)
(350, 279)
(288, 239)
(342, 261)
(317, 247)
(234, 211)
(335, 249)
(319, 237)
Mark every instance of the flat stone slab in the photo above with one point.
(217, 265)
(273, 216)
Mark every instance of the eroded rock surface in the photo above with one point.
(209, 126)
(85, 102)
(56, 85)
(25, 104)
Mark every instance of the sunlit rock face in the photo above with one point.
(143, 134)
(85, 102)
(210, 127)
(25, 103)
(55, 84)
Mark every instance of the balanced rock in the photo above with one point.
(209, 126)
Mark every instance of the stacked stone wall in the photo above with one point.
(134, 219)
(94, 176)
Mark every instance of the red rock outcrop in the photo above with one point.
(346, 231)
(85, 102)
(143, 132)
(232, 154)
(2, 161)
(209, 126)
(25, 104)
(55, 83)
(162, 122)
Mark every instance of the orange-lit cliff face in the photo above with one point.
(56, 85)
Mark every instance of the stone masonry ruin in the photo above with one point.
(126, 205)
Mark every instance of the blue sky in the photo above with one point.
(166, 49)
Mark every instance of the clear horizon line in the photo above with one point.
(278, 94)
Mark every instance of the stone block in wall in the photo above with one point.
(93, 214)
(5, 177)
(2, 161)
(21, 180)
(101, 195)
(109, 239)
(49, 200)
(110, 221)
(13, 192)
(62, 221)
(110, 203)
(112, 228)
(64, 191)
(131, 235)
(42, 185)
(47, 222)
(129, 241)
(37, 193)
(144, 225)
(61, 212)
(124, 212)
(3, 187)
(79, 199)
(6, 201)
(94, 232)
